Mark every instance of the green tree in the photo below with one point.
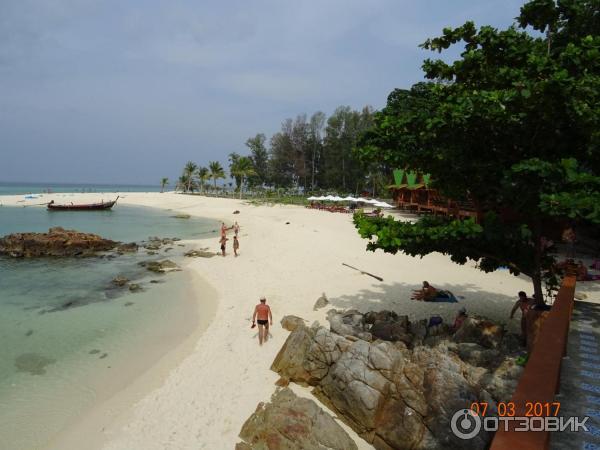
(233, 160)
(189, 170)
(163, 183)
(216, 171)
(260, 159)
(243, 168)
(513, 126)
(203, 174)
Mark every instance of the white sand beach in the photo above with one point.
(199, 396)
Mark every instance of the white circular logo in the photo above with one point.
(465, 424)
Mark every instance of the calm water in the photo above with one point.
(65, 330)
(39, 188)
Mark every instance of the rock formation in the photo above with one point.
(292, 423)
(393, 382)
(56, 242)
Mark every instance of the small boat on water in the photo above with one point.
(85, 207)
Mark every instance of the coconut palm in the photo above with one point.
(163, 183)
(189, 170)
(203, 174)
(243, 168)
(216, 171)
(182, 182)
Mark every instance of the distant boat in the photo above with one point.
(85, 207)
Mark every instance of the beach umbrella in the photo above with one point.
(372, 201)
(312, 198)
(362, 200)
(349, 199)
(330, 198)
(337, 198)
(382, 205)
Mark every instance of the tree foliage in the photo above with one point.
(512, 125)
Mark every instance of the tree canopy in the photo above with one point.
(512, 125)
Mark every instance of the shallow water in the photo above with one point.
(65, 329)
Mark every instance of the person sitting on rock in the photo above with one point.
(426, 293)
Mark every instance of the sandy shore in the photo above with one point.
(291, 255)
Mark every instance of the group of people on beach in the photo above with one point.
(223, 240)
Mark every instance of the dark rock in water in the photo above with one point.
(120, 280)
(104, 355)
(163, 266)
(129, 304)
(199, 254)
(153, 246)
(93, 352)
(290, 422)
(127, 248)
(57, 242)
(175, 239)
(156, 281)
(181, 216)
(33, 363)
(151, 253)
(180, 245)
(133, 287)
(168, 249)
(29, 333)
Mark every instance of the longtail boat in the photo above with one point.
(85, 207)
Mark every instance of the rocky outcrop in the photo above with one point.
(292, 423)
(480, 331)
(399, 391)
(202, 253)
(290, 323)
(120, 280)
(321, 302)
(160, 266)
(56, 242)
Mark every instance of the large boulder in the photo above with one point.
(480, 331)
(56, 242)
(292, 423)
(399, 396)
(321, 302)
(163, 266)
(348, 323)
(290, 322)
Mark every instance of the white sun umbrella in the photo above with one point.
(382, 205)
(337, 198)
(312, 198)
(349, 199)
(372, 201)
(330, 198)
(362, 200)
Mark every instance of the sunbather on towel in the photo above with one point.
(426, 293)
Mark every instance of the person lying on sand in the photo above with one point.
(262, 315)
(426, 293)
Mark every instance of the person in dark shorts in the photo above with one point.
(262, 315)
(524, 303)
(236, 245)
(223, 241)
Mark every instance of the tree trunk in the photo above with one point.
(536, 276)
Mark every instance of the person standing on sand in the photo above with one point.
(236, 245)
(236, 228)
(223, 242)
(262, 315)
(223, 229)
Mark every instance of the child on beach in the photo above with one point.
(223, 241)
(236, 245)
(236, 228)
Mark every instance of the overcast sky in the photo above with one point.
(121, 91)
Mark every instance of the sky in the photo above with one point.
(113, 91)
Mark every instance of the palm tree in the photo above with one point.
(203, 175)
(182, 182)
(189, 170)
(163, 183)
(243, 168)
(216, 171)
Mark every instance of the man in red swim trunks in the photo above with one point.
(262, 315)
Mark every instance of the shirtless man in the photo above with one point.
(428, 292)
(223, 229)
(262, 312)
(236, 228)
(223, 242)
(524, 304)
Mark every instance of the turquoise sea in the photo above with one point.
(66, 330)
(7, 188)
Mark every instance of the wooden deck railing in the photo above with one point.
(541, 378)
